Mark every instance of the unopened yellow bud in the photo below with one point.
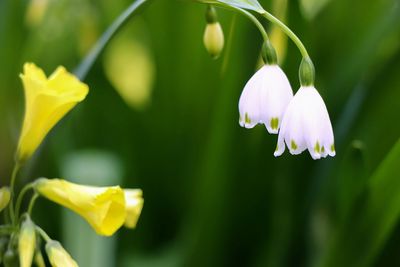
(4, 197)
(26, 243)
(134, 205)
(38, 259)
(214, 39)
(58, 257)
(102, 207)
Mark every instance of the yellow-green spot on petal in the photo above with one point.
(293, 145)
(274, 123)
(323, 149)
(317, 148)
(333, 148)
(247, 118)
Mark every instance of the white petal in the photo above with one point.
(249, 102)
(265, 98)
(306, 124)
(275, 95)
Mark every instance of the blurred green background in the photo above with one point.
(162, 116)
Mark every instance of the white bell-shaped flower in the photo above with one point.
(306, 125)
(265, 98)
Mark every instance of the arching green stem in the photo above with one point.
(82, 70)
(44, 235)
(288, 32)
(249, 16)
(21, 197)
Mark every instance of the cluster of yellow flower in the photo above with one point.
(106, 209)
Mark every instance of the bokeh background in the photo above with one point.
(162, 116)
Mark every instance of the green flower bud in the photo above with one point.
(214, 39)
(3, 246)
(5, 195)
(10, 258)
(27, 243)
(306, 72)
(269, 54)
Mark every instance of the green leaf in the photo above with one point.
(246, 4)
(373, 217)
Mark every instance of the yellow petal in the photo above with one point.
(134, 204)
(26, 243)
(58, 257)
(46, 102)
(102, 207)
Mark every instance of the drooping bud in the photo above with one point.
(58, 257)
(213, 35)
(306, 72)
(10, 258)
(269, 54)
(26, 242)
(38, 259)
(3, 246)
(4, 197)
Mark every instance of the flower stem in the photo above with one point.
(82, 70)
(288, 32)
(12, 189)
(45, 236)
(32, 202)
(21, 197)
(249, 16)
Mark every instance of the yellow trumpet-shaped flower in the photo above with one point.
(102, 207)
(26, 243)
(58, 257)
(134, 205)
(47, 100)
(5, 196)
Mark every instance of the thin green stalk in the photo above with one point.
(12, 189)
(288, 32)
(45, 236)
(82, 70)
(21, 197)
(249, 16)
(32, 202)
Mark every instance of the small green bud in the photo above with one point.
(214, 39)
(307, 72)
(5, 196)
(3, 246)
(211, 15)
(269, 54)
(10, 258)
(26, 242)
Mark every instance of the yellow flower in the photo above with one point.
(4, 197)
(134, 205)
(102, 207)
(26, 243)
(58, 257)
(47, 100)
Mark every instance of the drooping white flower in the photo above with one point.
(306, 125)
(265, 98)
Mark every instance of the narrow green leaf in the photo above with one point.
(375, 213)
